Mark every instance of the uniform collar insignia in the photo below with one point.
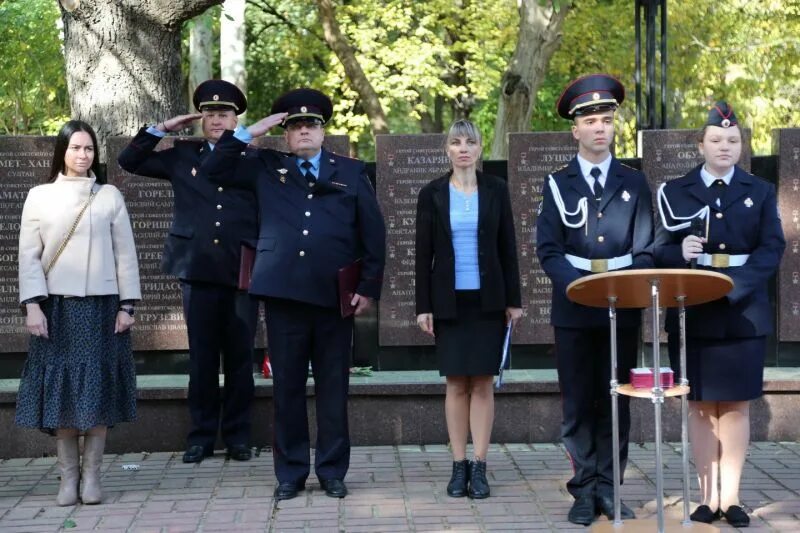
(194, 171)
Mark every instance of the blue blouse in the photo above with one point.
(464, 225)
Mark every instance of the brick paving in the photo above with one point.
(392, 488)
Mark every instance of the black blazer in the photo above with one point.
(497, 249)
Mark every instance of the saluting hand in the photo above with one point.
(35, 321)
(178, 123)
(265, 124)
(124, 322)
(425, 323)
(692, 247)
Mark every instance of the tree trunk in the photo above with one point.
(200, 51)
(123, 61)
(538, 38)
(337, 42)
(232, 44)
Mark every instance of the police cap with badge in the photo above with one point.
(304, 105)
(219, 94)
(590, 94)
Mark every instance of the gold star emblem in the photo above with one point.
(194, 171)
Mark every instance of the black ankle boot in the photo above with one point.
(478, 486)
(457, 488)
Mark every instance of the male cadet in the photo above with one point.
(203, 247)
(318, 213)
(595, 216)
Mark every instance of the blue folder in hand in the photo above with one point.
(505, 359)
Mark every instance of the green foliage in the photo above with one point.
(33, 92)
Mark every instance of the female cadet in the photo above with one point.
(726, 338)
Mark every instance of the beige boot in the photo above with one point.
(93, 447)
(67, 449)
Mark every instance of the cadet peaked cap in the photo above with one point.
(219, 93)
(303, 104)
(590, 94)
(721, 114)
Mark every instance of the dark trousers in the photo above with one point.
(584, 372)
(298, 333)
(219, 320)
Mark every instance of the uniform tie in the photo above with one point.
(306, 166)
(597, 187)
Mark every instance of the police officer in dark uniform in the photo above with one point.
(203, 247)
(739, 234)
(595, 216)
(318, 213)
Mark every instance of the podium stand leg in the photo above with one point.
(614, 384)
(658, 401)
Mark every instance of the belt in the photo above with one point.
(722, 260)
(599, 265)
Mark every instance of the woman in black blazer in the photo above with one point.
(467, 277)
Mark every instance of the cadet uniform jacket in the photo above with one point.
(309, 228)
(210, 222)
(621, 224)
(747, 222)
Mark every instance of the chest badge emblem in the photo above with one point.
(194, 171)
(748, 202)
(626, 196)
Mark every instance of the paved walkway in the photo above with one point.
(400, 488)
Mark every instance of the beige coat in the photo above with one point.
(99, 259)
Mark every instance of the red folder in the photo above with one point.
(349, 277)
(246, 261)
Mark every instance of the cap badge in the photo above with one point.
(626, 196)
(595, 96)
(194, 171)
(215, 97)
(304, 109)
(725, 123)
(748, 202)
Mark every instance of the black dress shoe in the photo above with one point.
(605, 505)
(286, 490)
(335, 488)
(457, 488)
(239, 452)
(705, 515)
(583, 510)
(736, 516)
(196, 454)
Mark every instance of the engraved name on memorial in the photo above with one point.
(531, 158)
(24, 163)
(786, 144)
(405, 164)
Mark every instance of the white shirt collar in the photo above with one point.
(709, 179)
(587, 166)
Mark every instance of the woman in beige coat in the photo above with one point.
(78, 282)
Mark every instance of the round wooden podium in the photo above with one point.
(654, 288)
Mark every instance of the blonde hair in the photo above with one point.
(464, 128)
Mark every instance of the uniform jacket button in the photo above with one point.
(719, 215)
(722, 246)
(216, 241)
(600, 238)
(302, 253)
(219, 206)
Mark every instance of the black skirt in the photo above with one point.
(471, 344)
(722, 370)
